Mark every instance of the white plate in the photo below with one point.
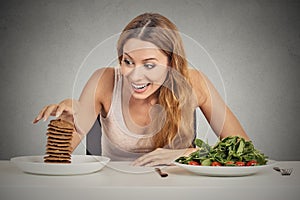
(80, 164)
(225, 170)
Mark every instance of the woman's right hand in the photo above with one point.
(62, 110)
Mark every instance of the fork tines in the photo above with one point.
(286, 172)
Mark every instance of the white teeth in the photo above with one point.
(139, 86)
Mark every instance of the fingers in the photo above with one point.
(53, 110)
(45, 113)
(147, 158)
(143, 161)
(159, 156)
(39, 115)
(63, 108)
(50, 111)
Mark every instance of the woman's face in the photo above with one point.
(144, 67)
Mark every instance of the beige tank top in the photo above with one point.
(118, 142)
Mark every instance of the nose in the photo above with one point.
(137, 73)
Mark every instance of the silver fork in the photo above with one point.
(284, 172)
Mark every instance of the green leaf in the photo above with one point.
(206, 162)
(232, 148)
(241, 147)
(198, 142)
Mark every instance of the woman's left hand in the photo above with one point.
(161, 156)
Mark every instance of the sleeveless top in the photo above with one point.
(118, 142)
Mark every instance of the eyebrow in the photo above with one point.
(143, 59)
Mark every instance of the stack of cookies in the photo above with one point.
(59, 136)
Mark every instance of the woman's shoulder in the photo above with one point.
(105, 73)
(199, 84)
(106, 77)
(105, 86)
(196, 76)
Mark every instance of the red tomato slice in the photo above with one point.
(239, 163)
(252, 163)
(230, 163)
(193, 163)
(215, 163)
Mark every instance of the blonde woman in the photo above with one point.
(146, 104)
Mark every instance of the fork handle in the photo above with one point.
(277, 169)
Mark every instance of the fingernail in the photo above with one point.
(57, 114)
(44, 119)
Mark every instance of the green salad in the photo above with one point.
(230, 151)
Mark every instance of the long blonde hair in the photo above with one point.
(159, 30)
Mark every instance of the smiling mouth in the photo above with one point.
(139, 87)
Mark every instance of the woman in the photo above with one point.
(146, 104)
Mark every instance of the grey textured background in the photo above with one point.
(255, 45)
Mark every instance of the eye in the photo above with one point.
(128, 62)
(149, 65)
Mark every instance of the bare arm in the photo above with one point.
(86, 108)
(82, 112)
(220, 117)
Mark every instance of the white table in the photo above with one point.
(180, 184)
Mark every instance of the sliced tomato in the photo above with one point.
(193, 163)
(230, 163)
(240, 163)
(215, 163)
(251, 163)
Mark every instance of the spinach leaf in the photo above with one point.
(232, 148)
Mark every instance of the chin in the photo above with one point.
(141, 96)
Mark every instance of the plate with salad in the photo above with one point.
(231, 156)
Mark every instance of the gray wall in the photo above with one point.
(254, 45)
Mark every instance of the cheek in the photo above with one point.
(158, 75)
(125, 70)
